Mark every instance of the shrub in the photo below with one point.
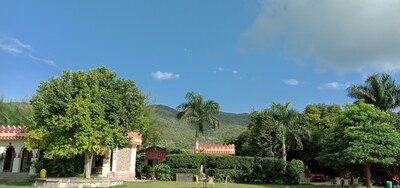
(162, 172)
(295, 168)
(240, 169)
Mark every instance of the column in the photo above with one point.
(106, 164)
(34, 159)
(17, 159)
(2, 154)
(133, 159)
(114, 159)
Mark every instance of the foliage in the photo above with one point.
(242, 169)
(151, 134)
(139, 167)
(60, 167)
(319, 118)
(362, 136)
(379, 90)
(175, 150)
(14, 113)
(165, 119)
(163, 172)
(199, 112)
(295, 168)
(270, 128)
(85, 113)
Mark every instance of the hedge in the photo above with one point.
(240, 169)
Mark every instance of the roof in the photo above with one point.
(13, 132)
(136, 138)
(155, 147)
(217, 149)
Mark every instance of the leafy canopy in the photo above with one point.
(362, 136)
(199, 111)
(85, 113)
(380, 90)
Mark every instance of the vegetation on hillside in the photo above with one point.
(176, 134)
(14, 113)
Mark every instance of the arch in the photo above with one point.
(9, 158)
(26, 158)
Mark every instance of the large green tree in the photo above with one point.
(286, 120)
(380, 90)
(319, 118)
(362, 136)
(85, 113)
(200, 112)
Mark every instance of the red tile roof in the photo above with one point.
(136, 138)
(14, 132)
(217, 149)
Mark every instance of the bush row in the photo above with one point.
(240, 169)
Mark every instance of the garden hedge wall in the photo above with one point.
(240, 169)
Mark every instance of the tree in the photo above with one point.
(200, 113)
(362, 136)
(286, 120)
(85, 113)
(319, 118)
(379, 90)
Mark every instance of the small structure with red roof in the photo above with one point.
(218, 149)
(155, 155)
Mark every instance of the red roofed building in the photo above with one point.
(218, 149)
(155, 155)
(14, 157)
(119, 163)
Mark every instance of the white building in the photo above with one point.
(117, 164)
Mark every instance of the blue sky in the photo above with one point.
(244, 54)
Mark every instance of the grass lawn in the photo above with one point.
(172, 184)
(15, 185)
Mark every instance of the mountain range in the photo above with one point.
(180, 134)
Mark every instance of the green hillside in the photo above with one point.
(180, 134)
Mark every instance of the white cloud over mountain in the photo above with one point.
(343, 35)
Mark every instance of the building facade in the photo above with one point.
(119, 163)
(218, 149)
(14, 157)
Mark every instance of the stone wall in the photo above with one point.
(124, 159)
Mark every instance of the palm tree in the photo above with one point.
(286, 120)
(379, 90)
(200, 113)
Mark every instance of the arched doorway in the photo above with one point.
(25, 160)
(9, 159)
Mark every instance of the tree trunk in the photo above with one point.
(270, 151)
(367, 174)
(196, 145)
(284, 156)
(87, 169)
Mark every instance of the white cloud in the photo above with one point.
(335, 86)
(14, 46)
(344, 35)
(293, 82)
(164, 75)
(219, 69)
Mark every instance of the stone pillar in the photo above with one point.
(133, 159)
(115, 157)
(106, 164)
(2, 154)
(17, 159)
(35, 157)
